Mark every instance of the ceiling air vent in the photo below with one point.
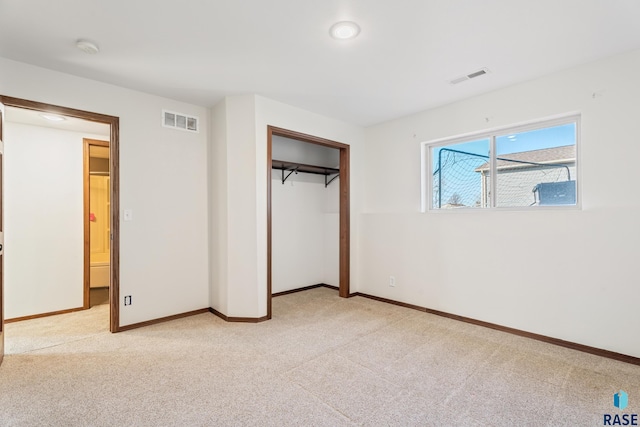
(469, 76)
(180, 121)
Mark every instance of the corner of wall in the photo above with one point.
(217, 204)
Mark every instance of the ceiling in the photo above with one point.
(73, 124)
(199, 51)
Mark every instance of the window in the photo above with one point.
(516, 167)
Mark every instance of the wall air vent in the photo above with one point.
(180, 121)
(469, 76)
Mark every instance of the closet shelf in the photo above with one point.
(292, 167)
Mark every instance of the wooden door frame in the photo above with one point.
(114, 173)
(86, 144)
(345, 224)
(1, 230)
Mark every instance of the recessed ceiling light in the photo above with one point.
(344, 30)
(53, 117)
(87, 47)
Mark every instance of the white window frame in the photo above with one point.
(491, 134)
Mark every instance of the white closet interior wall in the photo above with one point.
(305, 218)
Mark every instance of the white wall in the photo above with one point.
(292, 150)
(217, 178)
(164, 251)
(568, 274)
(241, 255)
(43, 208)
(331, 235)
(305, 218)
(244, 198)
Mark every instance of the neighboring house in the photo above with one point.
(520, 174)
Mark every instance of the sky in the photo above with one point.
(556, 136)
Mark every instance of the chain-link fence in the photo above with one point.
(462, 179)
(455, 182)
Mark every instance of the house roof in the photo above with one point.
(526, 159)
(402, 62)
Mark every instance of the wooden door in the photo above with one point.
(1, 239)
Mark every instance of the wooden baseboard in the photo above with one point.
(37, 316)
(306, 288)
(277, 294)
(550, 340)
(162, 319)
(237, 319)
(293, 291)
(389, 301)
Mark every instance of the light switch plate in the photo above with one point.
(128, 215)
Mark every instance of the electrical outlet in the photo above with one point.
(127, 300)
(392, 281)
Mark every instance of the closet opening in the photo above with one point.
(307, 213)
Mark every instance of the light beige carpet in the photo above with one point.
(321, 361)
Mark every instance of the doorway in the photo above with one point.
(344, 200)
(113, 191)
(97, 224)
